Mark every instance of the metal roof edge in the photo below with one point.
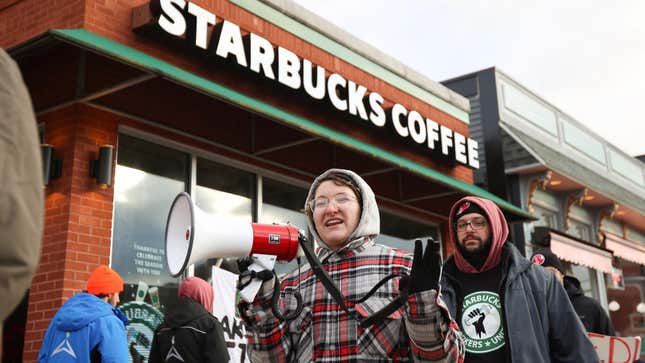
(509, 130)
(517, 135)
(561, 112)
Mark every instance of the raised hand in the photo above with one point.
(426, 267)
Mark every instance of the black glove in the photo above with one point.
(426, 268)
(243, 264)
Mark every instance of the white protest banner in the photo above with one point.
(616, 349)
(224, 301)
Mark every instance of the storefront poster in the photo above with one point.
(143, 320)
(224, 309)
(615, 279)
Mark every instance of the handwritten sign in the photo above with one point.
(616, 349)
(224, 301)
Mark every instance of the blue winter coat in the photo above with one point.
(541, 325)
(82, 324)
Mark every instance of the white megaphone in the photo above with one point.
(193, 236)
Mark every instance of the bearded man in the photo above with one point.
(509, 309)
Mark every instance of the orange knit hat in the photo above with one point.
(105, 281)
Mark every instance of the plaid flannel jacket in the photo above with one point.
(420, 331)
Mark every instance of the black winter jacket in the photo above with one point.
(590, 312)
(189, 333)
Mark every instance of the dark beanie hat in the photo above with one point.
(547, 258)
(468, 207)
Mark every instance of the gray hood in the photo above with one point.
(370, 222)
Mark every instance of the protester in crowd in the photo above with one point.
(590, 312)
(21, 189)
(89, 327)
(343, 217)
(509, 310)
(190, 333)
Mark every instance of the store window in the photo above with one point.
(147, 179)
(400, 232)
(546, 217)
(584, 141)
(627, 167)
(634, 235)
(612, 227)
(587, 278)
(529, 108)
(283, 203)
(222, 190)
(580, 230)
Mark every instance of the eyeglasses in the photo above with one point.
(321, 203)
(475, 224)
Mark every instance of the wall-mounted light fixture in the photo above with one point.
(640, 307)
(613, 305)
(51, 167)
(101, 168)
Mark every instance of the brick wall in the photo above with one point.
(26, 19)
(78, 217)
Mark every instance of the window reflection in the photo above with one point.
(147, 179)
(546, 217)
(140, 215)
(580, 230)
(219, 203)
(529, 108)
(583, 141)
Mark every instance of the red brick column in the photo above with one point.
(78, 217)
(25, 19)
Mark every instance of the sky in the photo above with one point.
(586, 57)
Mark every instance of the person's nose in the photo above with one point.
(332, 206)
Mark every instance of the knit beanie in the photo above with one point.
(466, 208)
(104, 281)
(546, 258)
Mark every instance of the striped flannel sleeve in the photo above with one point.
(269, 340)
(434, 336)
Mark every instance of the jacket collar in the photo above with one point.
(513, 263)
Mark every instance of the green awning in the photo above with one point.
(143, 61)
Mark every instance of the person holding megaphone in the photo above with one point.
(356, 300)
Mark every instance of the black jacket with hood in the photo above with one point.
(540, 323)
(590, 312)
(189, 333)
